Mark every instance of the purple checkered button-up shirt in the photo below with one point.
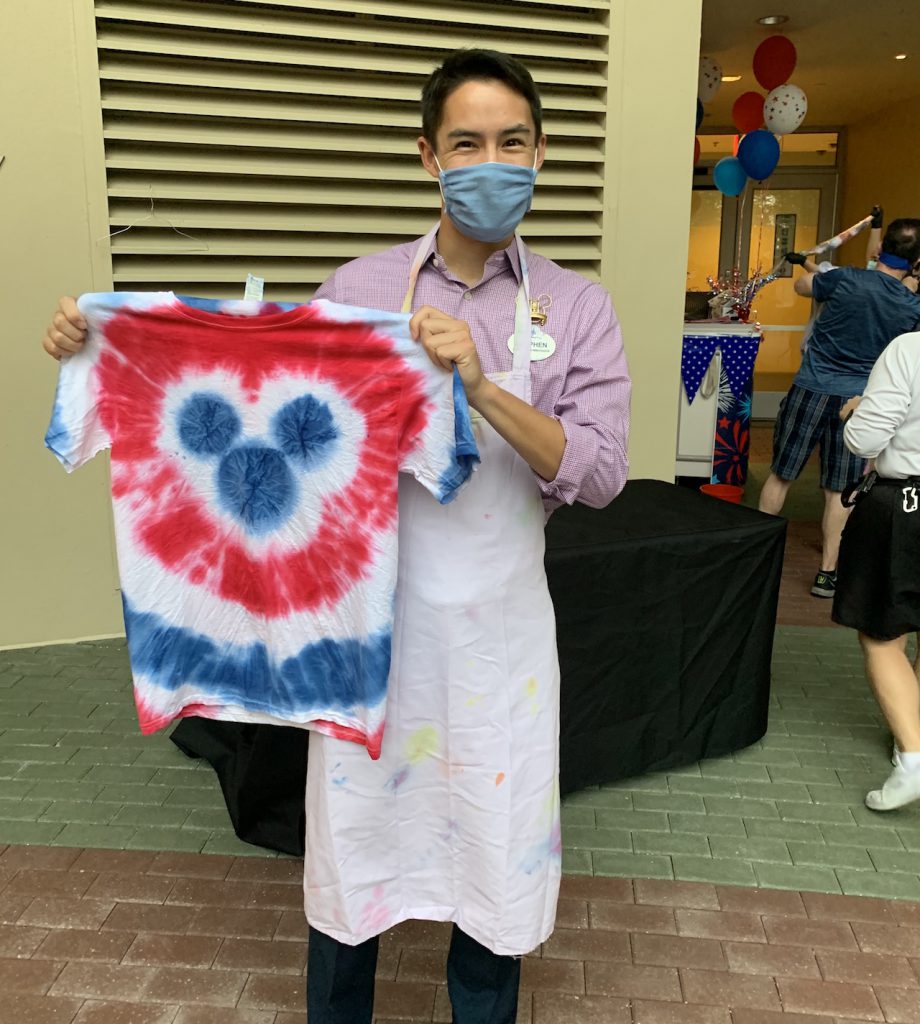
(584, 384)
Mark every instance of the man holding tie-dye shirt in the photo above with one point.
(459, 818)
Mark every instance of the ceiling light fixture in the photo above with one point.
(773, 19)
(897, 56)
(731, 78)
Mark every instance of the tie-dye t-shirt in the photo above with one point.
(255, 449)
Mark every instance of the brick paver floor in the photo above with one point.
(751, 889)
(787, 812)
(124, 937)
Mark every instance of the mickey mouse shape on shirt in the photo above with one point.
(256, 481)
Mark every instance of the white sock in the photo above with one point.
(910, 760)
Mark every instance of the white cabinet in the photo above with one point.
(696, 424)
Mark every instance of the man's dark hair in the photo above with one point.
(476, 66)
(903, 239)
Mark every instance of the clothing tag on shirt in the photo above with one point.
(542, 345)
(254, 287)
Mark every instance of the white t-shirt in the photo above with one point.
(886, 424)
(255, 453)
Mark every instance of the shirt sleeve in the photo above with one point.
(327, 290)
(824, 285)
(436, 441)
(885, 402)
(437, 445)
(593, 409)
(76, 432)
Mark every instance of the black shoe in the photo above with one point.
(825, 584)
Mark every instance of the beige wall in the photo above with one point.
(57, 570)
(882, 153)
(57, 559)
(652, 104)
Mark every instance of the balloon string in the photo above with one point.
(739, 226)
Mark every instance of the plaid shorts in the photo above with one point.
(807, 419)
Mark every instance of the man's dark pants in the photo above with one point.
(483, 986)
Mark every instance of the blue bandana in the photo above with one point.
(895, 262)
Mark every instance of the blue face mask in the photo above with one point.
(487, 201)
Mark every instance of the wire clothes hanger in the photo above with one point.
(153, 216)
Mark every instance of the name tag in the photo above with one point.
(542, 345)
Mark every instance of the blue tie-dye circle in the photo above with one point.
(305, 430)
(208, 424)
(255, 481)
(256, 486)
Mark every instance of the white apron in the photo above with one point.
(459, 819)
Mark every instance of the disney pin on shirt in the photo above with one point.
(542, 345)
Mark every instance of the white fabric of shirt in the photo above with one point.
(886, 424)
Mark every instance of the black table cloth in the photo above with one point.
(665, 607)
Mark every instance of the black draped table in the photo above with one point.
(665, 608)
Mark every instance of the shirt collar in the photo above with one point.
(508, 256)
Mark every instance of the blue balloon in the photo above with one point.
(729, 176)
(699, 112)
(759, 154)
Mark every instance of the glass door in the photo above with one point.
(793, 211)
(781, 220)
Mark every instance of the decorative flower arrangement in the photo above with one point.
(733, 295)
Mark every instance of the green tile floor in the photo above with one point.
(786, 813)
(75, 770)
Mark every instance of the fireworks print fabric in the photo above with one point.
(255, 451)
(733, 433)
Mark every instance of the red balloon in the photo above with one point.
(774, 61)
(696, 152)
(747, 112)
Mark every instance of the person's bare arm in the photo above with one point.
(874, 242)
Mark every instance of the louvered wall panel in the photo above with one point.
(279, 138)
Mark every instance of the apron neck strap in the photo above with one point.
(522, 325)
(423, 246)
(523, 329)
